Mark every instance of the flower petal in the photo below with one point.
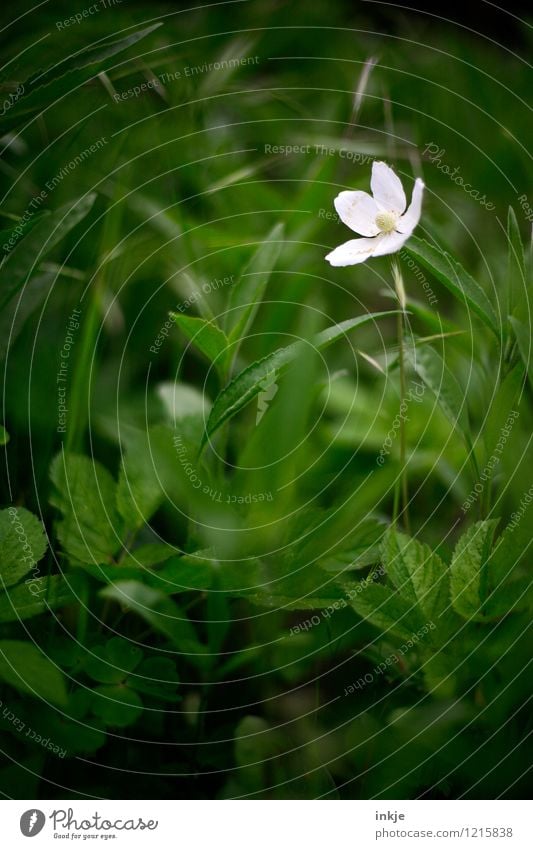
(358, 211)
(387, 188)
(353, 252)
(389, 243)
(410, 219)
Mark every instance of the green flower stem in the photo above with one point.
(403, 482)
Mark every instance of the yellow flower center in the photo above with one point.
(386, 221)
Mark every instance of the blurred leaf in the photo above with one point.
(46, 88)
(85, 493)
(4, 435)
(181, 400)
(117, 705)
(229, 63)
(147, 555)
(26, 256)
(139, 492)
(355, 550)
(15, 314)
(159, 611)
(156, 676)
(432, 369)
(449, 272)
(247, 293)
(23, 542)
(524, 341)
(25, 667)
(516, 269)
(111, 663)
(40, 595)
(502, 405)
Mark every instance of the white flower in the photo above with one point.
(381, 217)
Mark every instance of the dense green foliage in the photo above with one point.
(208, 585)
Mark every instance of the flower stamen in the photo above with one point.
(386, 221)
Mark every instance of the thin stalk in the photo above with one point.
(403, 482)
(403, 435)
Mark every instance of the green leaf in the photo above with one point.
(181, 400)
(111, 663)
(85, 494)
(249, 382)
(208, 338)
(40, 595)
(388, 610)
(159, 611)
(138, 492)
(16, 313)
(419, 574)
(116, 705)
(4, 435)
(44, 89)
(148, 555)
(432, 369)
(25, 667)
(228, 63)
(452, 275)
(247, 293)
(25, 257)
(524, 342)
(23, 542)
(156, 676)
(468, 577)
(516, 269)
(501, 416)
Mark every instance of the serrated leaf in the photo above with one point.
(468, 573)
(207, 337)
(388, 610)
(249, 382)
(452, 275)
(419, 574)
(85, 493)
(247, 293)
(25, 667)
(23, 542)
